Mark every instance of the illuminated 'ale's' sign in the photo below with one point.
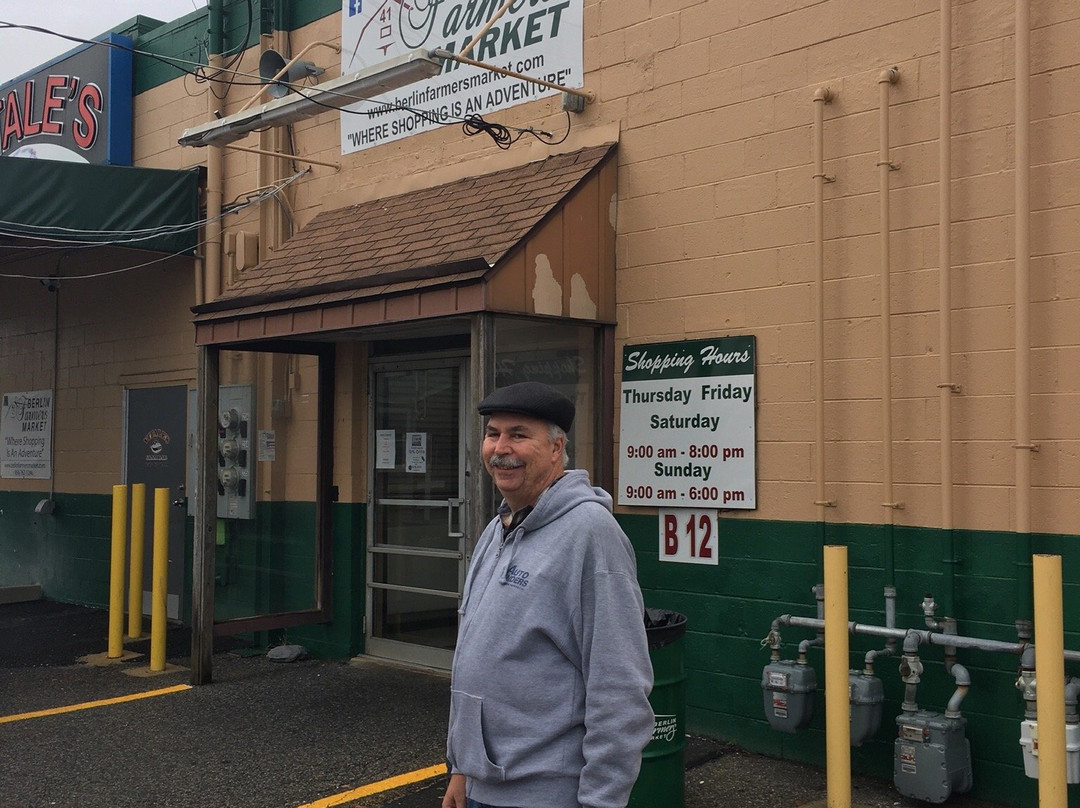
(75, 108)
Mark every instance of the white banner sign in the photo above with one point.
(687, 424)
(26, 435)
(538, 38)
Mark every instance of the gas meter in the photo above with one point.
(867, 695)
(788, 688)
(932, 756)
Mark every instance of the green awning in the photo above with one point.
(57, 202)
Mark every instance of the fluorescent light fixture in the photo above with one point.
(340, 92)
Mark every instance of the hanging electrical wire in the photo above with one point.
(198, 70)
(52, 234)
(118, 271)
(503, 136)
(234, 56)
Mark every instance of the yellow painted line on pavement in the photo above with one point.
(89, 705)
(388, 784)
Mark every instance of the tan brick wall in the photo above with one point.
(118, 331)
(713, 105)
(727, 110)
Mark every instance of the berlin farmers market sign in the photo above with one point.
(541, 39)
(686, 440)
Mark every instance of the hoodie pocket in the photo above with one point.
(468, 746)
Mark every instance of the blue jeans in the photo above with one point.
(470, 803)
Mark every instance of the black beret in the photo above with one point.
(531, 398)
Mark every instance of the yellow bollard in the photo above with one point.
(116, 572)
(159, 588)
(1050, 674)
(135, 567)
(837, 687)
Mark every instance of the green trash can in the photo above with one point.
(661, 783)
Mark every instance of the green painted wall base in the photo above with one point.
(66, 552)
(767, 569)
(264, 565)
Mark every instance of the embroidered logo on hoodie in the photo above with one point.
(516, 576)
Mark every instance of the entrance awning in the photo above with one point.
(141, 208)
(536, 239)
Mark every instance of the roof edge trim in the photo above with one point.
(382, 279)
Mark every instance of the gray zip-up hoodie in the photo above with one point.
(549, 699)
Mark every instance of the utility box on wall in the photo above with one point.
(236, 461)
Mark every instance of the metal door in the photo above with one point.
(155, 444)
(416, 536)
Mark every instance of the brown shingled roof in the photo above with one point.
(428, 236)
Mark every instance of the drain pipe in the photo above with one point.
(1023, 445)
(946, 387)
(885, 165)
(215, 182)
(822, 96)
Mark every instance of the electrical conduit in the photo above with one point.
(946, 387)
(1023, 445)
(885, 165)
(822, 96)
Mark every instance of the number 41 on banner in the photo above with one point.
(688, 536)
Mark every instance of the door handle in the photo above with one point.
(452, 504)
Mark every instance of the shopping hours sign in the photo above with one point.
(686, 437)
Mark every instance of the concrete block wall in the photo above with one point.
(116, 331)
(712, 104)
(716, 196)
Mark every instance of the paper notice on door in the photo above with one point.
(385, 454)
(416, 452)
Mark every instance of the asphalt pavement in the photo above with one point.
(266, 734)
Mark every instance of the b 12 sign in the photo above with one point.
(689, 537)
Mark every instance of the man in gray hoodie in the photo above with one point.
(549, 697)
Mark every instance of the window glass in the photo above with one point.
(563, 356)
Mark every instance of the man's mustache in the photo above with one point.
(504, 462)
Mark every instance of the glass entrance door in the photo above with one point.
(416, 538)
